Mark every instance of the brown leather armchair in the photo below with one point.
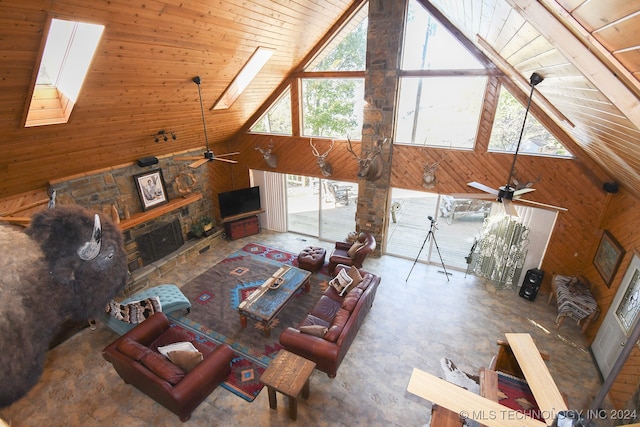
(340, 253)
(134, 356)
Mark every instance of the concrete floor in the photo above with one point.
(416, 320)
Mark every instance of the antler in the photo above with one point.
(315, 149)
(262, 150)
(350, 149)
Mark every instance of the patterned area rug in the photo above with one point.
(215, 296)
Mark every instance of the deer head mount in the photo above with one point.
(372, 166)
(267, 155)
(325, 166)
(429, 179)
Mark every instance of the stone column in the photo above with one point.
(384, 41)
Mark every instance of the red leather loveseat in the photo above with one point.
(341, 316)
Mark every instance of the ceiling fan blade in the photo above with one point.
(523, 191)
(228, 154)
(225, 160)
(473, 196)
(543, 205)
(198, 163)
(483, 187)
(188, 158)
(509, 208)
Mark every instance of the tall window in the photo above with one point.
(277, 119)
(331, 90)
(442, 110)
(507, 125)
(439, 111)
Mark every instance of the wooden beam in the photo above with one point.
(520, 80)
(538, 377)
(585, 60)
(466, 403)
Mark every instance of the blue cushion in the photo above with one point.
(171, 299)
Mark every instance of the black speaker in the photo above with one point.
(531, 284)
(147, 161)
(610, 187)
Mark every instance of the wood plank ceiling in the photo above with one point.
(140, 81)
(589, 53)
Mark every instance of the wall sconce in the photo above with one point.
(164, 135)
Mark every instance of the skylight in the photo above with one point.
(244, 77)
(68, 51)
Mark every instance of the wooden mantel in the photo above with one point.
(171, 206)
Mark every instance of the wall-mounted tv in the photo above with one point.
(239, 201)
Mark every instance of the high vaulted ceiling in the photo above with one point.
(140, 81)
(589, 54)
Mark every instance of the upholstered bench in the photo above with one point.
(311, 258)
(171, 299)
(574, 300)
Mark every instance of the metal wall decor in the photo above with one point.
(499, 253)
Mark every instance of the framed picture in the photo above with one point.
(151, 189)
(608, 257)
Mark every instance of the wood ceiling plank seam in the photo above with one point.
(537, 51)
(576, 94)
(585, 60)
(525, 35)
(621, 35)
(593, 15)
(590, 118)
(588, 39)
(486, 18)
(631, 60)
(510, 28)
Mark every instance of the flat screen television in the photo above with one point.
(239, 201)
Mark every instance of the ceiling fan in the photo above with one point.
(506, 194)
(208, 154)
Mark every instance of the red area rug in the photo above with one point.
(214, 318)
(514, 393)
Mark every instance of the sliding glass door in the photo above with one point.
(321, 208)
(454, 228)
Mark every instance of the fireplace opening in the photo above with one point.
(160, 242)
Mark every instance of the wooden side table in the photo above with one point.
(289, 374)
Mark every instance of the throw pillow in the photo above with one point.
(355, 275)
(341, 281)
(185, 359)
(134, 311)
(315, 330)
(354, 248)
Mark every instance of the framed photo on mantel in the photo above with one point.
(151, 189)
(608, 257)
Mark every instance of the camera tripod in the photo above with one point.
(431, 235)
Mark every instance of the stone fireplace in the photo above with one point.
(160, 241)
(148, 235)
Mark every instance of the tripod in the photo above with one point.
(430, 234)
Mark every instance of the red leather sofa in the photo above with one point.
(134, 356)
(342, 316)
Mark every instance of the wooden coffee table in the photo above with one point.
(289, 374)
(269, 299)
